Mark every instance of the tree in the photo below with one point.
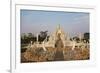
(86, 37)
(23, 38)
(30, 35)
(42, 35)
(76, 39)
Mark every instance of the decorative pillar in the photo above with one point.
(80, 37)
(43, 45)
(37, 38)
(73, 45)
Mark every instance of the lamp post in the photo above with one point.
(37, 39)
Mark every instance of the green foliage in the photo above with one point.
(86, 37)
(25, 39)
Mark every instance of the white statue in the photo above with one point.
(73, 45)
(43, 46)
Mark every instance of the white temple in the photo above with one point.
(54, 37)
(58, 47)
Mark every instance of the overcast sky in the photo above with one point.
(72, 23)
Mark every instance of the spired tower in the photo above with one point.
(58, 41)
(59, 44)
(58, 38)
(59, 34)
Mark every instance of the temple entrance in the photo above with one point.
(59, 49)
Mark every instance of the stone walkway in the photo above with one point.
(58, 56)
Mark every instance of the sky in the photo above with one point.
(72, 23)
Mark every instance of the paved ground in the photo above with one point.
(58, 56)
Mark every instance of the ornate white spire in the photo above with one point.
(59, 30)
(58, 27)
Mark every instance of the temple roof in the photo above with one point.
(59, 30)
